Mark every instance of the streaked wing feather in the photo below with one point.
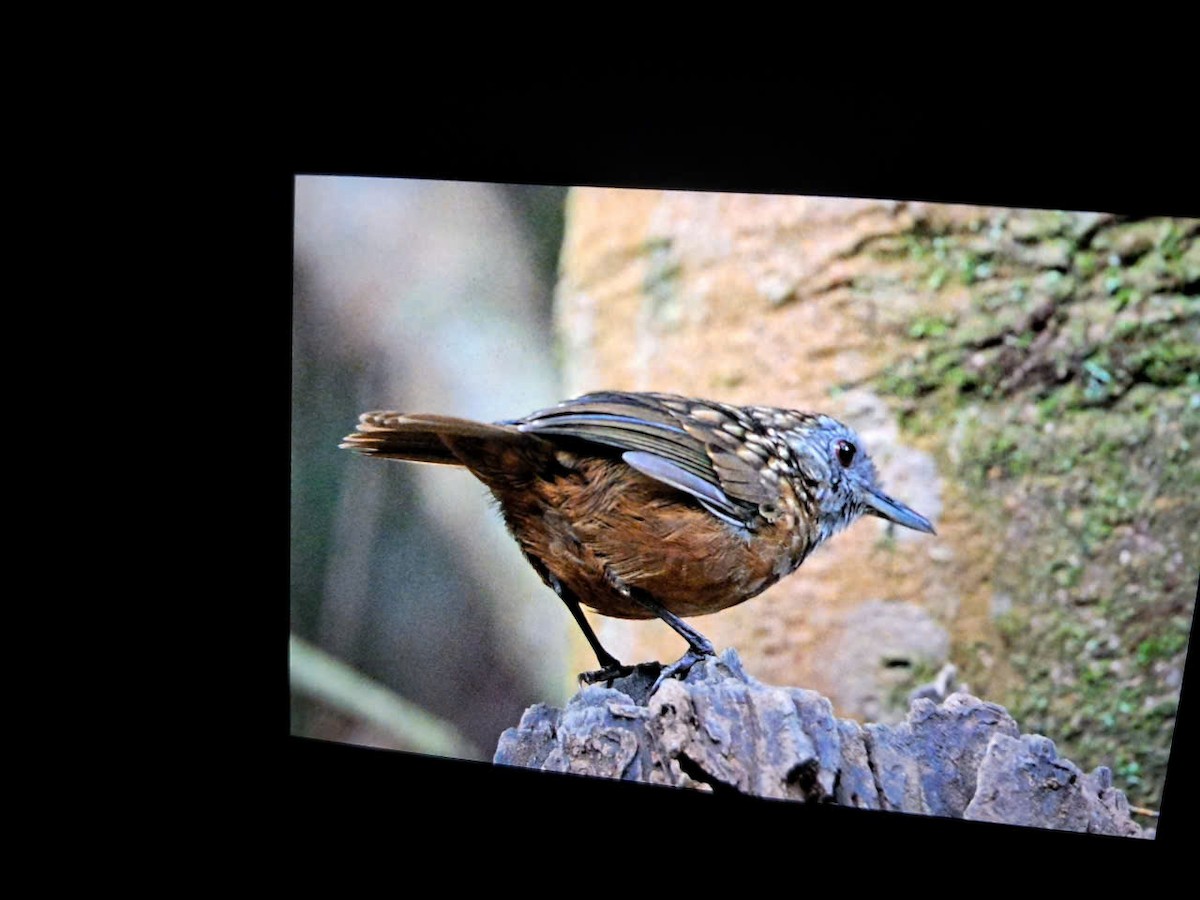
(740, 479)
(656, 425)
(674, 444)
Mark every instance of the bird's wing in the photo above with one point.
(694, 445)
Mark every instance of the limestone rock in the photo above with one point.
(721, 730)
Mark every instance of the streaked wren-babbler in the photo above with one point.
(643, 505)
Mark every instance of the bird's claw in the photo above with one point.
(609, 674)
(680, 668)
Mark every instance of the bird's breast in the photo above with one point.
(599, 518)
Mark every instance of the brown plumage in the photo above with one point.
(653, 505)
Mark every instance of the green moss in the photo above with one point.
(968, 268)
(1049, 407)
(1166, 363)
(1068, 576)
(1161, 646)
(1059, 454)
(1172, 243)
(1012, 624)
(929, 327)
(1124, 297)
(1056, 285)
(1084, 264)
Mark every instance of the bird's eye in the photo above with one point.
(845, 453)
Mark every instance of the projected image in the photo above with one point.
(883, 504)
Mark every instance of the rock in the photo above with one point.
(1024, 782)
(928, 763)
(532, 740)
(721, 730)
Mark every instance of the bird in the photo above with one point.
(654, 505)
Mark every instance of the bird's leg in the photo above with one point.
(610, 667)
(698, 645)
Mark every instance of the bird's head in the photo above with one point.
(836, 471)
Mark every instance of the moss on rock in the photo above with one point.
(1058, 385)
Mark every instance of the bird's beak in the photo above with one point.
(880, 504)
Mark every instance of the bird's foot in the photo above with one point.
(608, 674)
(680, 668)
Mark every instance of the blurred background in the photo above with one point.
(1025, 378)
(433, 296)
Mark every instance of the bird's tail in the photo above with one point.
(420, 437)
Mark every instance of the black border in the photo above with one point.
(805, 151)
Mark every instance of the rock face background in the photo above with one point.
(722, 730)
(1025, 378)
